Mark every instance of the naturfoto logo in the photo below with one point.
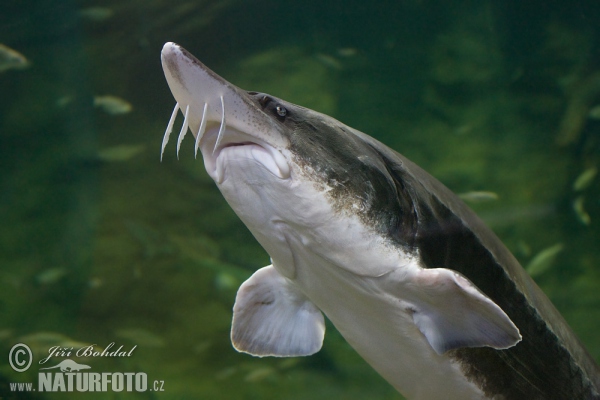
(69, 375)
(70, 379)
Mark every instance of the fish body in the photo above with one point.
(407, 273)
(11, 59)
(113, 105)
(478, 196)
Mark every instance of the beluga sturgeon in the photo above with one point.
(408, 274)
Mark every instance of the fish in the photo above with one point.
(347, 52)
(585, 179)
(51, 275)
(113, 105)
(478, 196)
(259, 374)
(329, 61)
(11, 59)
(594, 112)
(407, 273)
(544, 260)
(580, 212)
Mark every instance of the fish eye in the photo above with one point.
(281, 111)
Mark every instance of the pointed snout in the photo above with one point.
(196, 88)
(194, 84)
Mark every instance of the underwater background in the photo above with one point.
(100, 242)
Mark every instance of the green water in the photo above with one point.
(101, 243)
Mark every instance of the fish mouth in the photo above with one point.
(227, 122)
(236, 145)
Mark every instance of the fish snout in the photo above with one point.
(219, 114)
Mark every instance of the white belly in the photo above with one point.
(379, 329)
(358, 279)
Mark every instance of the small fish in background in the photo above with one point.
(122, 152)
(253, 374)
(347, 52)
(579, 209)
(96, 14)
(226, 282)
(113, 105)
(11, 59)
(478, 197)
(40, 342)
(64, 101)
(464, 129)
(329, 61)
(141, 337)
(259, 374)
(51, 275)
(517, 214)
(585, 179)
(594, 112)
(95, 282)
(543, 260)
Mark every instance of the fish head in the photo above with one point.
(279, 164)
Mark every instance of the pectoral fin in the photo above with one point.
(272, 318)
(452, 313)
